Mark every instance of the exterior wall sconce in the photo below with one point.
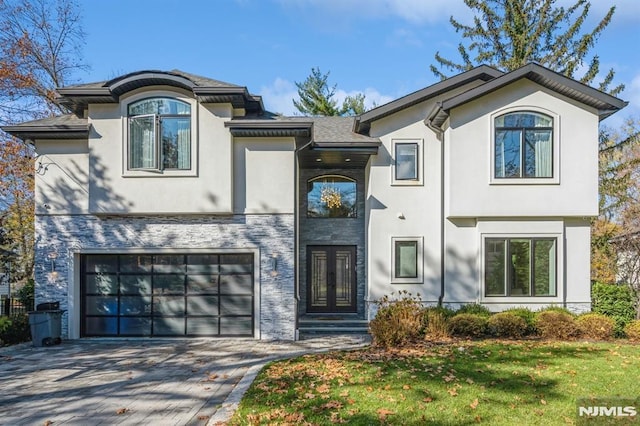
(52, 258)
(273, 262)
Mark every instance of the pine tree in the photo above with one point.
(508, 34)
(316, 97)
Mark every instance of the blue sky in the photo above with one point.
(380, 47)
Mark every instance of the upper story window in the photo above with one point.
(159, 134)
(331, 196)
(523, 145)
(407, 167)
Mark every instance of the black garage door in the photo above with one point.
(167, 295)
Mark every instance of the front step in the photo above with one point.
(330, 325)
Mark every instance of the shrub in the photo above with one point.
(560, 309)
(26, 294)
(436, 325)
(507, 324)
(397, 322)
(14, 329)
(556, 324)
(474, 308)
(615, 301)
(595, 326)
(468, 325)
(528, 316)
(632, 330)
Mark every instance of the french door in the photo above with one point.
(331, 279)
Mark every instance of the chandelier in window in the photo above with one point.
(331, 196)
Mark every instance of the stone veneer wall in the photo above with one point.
(273, 235)
(330, 231)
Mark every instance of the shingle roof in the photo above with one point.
(67, 126)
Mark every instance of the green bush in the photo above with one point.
(398, 321)
(615, 301)
(436, 322)
(26, 294)
(632, 330)
(507, 324)
(553, 308)
(595, 326)
(14, 329)
(468, 325)
(528, 316)
(556, 324)
(474, 308)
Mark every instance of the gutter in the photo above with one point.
(440, 135)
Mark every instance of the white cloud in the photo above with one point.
(278, 97)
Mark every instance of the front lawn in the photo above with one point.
(491, 382)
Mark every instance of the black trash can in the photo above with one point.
(46, 324)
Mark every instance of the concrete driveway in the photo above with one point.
(133, 382)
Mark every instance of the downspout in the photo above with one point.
(440, 135)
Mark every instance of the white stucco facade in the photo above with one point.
(429, 213)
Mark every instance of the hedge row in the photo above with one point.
(405, 320)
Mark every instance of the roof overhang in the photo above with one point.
(77, 98)
(263, 128)
(604, 103)
(483, 73)
(26, 133)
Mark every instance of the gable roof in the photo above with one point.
(559, 83)
(483, 73)
(77, 97)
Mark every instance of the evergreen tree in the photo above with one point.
(508, 34)
(316, 97)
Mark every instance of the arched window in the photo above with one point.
(159, 134)
(331, 196)
(523, 145)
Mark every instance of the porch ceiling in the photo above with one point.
(316, 156)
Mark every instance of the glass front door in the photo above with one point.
(331, 279)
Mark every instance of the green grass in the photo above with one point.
(489, 382)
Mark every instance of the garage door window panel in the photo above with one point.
(168, 295)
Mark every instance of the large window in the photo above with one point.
(520, 267)
(159, 134)
(331, 196)
(523, 145)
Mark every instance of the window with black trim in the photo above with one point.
(515, 267)
(159, 134)
(331, 196)
(523, 145)
(406, 260)
(406, 155)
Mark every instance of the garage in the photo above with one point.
(167, 295)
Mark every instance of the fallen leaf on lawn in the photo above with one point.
(323, 388)
(121, 410)
(331, 405)
(309, 395)
(543, 402)
(427, 399)
(344, 393)
(478, 419)
(474, 404)
(470, 381)
(383, 413)
(453, 392)
(406, 387)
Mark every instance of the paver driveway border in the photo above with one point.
(139, 381)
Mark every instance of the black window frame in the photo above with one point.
(522, 154)
(416, 178)
(158, 157)
(508, 272)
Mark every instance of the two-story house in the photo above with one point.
(170, 204)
